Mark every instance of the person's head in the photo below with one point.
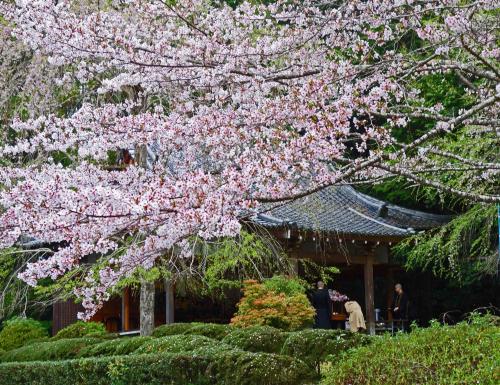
(321, 285)
(398, 288)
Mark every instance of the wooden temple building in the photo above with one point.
(337, 226)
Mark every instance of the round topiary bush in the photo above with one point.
(176, 344)
(18, 331)
(313, 345)
(81, 329)
(257, 339)
(172, 329)
(439, 355)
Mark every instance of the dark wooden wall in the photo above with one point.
(64, 314)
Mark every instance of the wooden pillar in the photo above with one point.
(389, 285)
(369, 294)
(169, 302)
(294, 259)
(126, 309)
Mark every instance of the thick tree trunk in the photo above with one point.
(147, 308)
(147, 299)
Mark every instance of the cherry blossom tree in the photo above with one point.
(243, 105)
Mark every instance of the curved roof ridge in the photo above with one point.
(378, 202)
(402, 229)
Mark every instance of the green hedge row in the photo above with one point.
(51, 350)
(116, 347)
(216, 331)
(314, 345)
(311, 346)
(224, 368)
(257, 339)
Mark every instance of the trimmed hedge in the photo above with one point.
(176, 344)
(49, 351)
(81, 329)
(227, 368)
(19, 331)
(117, 347)
(257, 339)
(215, 331)
(440, 355)
(313, 345)
(172, 329)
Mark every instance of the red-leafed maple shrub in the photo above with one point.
(283, 306)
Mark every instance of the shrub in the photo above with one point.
(176, 344)
(172, 329)
(80, 329)
(226, 368)
(261, 304)
(463, 354)
(215, 331)
(18, 331)
(51, 350)
(313, 345)
(116, 347)
(257, 339)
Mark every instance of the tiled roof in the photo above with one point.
(342, 209)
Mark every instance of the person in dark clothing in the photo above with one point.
(321, 302)
(400, 306)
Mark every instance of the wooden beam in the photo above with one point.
(369, 294)
(169, 302)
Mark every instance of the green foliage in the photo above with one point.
(257, 339)
(226, 368)
(313, 345)
(18, 331)
(171, 329)
(176, 344)
(440, 355)
(314, 271)
(81, 329)
(261, 304)
(115, 347)
(215, 331)
(286, 285)
(233, 259)
(463, 250)
(445, 89)
(466, 248)
(16, 297)
(52, 350)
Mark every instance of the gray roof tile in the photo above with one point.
(342, 209)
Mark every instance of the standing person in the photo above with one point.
(356, 318)
(400, 306)
(321, 302)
